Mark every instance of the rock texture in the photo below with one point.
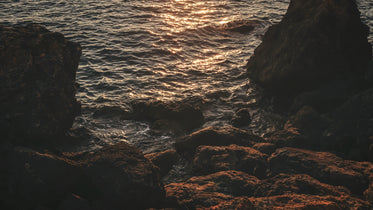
(316, 42)
(324, 166)
(209, 159)
(164, 160)
(37, 82)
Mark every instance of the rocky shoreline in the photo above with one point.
(316, 67)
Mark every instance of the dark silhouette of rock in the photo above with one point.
(32, 179)
(326, 167)
(241, 118)
(212, 190)
(303, 201)
(109, 178)
(210, 159)
(119, 176)
(316, 42)
(215, 136)
(298, 184)
(164, 160)
(37, 83)
(170, 115)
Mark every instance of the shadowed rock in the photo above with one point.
(37, 82)
(316, 42)
(209, 159)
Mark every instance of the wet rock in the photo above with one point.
(266, 148)
(74, 202)
(209, 159)
(164, 160)
(37, 83)
(326, 167)
(214, 136)
(289, 137)
(119, 176)
(212, 190)
(181, 115)
(316, 42)
(303, 201)
(241, 118)
(298, 184)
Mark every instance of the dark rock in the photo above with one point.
(35, 179)
(37, 83)
(266, 148)
(298, 184)
(241, 118)
(316, 42)
(289, 137)
(212, 190)
(352, 127)
(74, 202)
(164, 160)
(209, 159)
(180, 115)
(326, 167)
(214, 136)
(295, 201)
(119, 176)
(368, 194)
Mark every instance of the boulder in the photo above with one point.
(325, 167)
(209, 159)
(164, 160)
(119, 176)
(37, 83)
(168, 115)
(298, 184)
(215, 136)
(316, 42)
(211, 190)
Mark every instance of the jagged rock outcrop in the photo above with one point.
(164, 160)
(37, 82)
(316, 42)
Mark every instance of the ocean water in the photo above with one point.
(167, 50)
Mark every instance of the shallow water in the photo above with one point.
(167, 50)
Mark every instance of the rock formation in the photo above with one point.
(316, 42)
(37, 82)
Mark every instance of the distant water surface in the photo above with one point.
(168, 50)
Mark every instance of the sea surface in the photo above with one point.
(167, 50)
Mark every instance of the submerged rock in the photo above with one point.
(37, 82)
(172, 115)
(316, 42)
